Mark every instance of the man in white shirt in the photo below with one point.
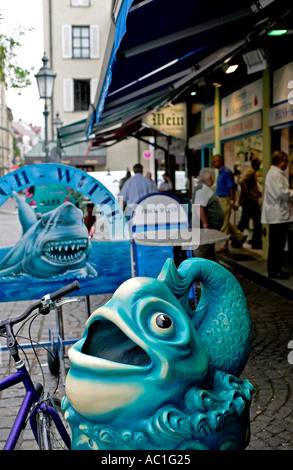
(136, 187)
(277, 211)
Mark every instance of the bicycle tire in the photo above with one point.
(48, 435)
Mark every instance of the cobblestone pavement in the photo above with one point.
(267, 368)
(73, 317)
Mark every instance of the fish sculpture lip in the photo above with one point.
(136, 356)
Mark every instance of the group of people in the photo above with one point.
(277, 208)
(214, 208)
(133, 188)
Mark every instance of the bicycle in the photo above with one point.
(42, 409)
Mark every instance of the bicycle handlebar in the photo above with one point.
(64, 291)
(55, 295)
(44, 303)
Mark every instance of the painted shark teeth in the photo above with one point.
(65, 251)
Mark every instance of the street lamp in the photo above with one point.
(45, 80)
(57, 123)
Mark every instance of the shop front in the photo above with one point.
(241, 141)
(168, 129)
(239, 137)
(281, 124)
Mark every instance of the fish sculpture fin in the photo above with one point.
(221, 316)
(27, 217)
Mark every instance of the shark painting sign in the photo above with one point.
(55, 247)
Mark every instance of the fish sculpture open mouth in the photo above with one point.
(66, 251)
(123, 350)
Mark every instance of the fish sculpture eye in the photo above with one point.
(163, 321)
(162, 324)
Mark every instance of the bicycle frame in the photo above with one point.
(32, 402)
(31, 398)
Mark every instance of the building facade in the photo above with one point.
(75, 38)
(6, 142)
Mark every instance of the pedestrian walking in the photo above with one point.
(277, 212)
(249, 201)
(167, 185)
(136, 187)
(125, 178)
(207, 207)
(226, 193)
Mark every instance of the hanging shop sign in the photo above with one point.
(203, 139)
(243, 126)
(244, 101)
(171, 120)
(281, 114)
(55, 248)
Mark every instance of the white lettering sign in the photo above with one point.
(171, 120)
(281, 113)
(245, 101)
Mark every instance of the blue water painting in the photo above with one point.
(110, 260)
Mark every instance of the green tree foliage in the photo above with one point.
(10, 72)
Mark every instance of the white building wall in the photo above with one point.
(62, 15)
(57, 46)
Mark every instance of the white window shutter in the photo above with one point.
(66, 42)
(95, 41)
(80, 3)
(94, 87)
(68, 92)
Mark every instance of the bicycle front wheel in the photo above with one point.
(50, 435)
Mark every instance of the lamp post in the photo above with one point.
(45, 80)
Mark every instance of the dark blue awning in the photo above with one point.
(158, 48)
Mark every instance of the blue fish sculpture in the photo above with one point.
(151, 372)
(50, 246)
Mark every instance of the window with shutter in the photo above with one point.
(80, 42)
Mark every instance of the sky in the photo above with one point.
(29, 14)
